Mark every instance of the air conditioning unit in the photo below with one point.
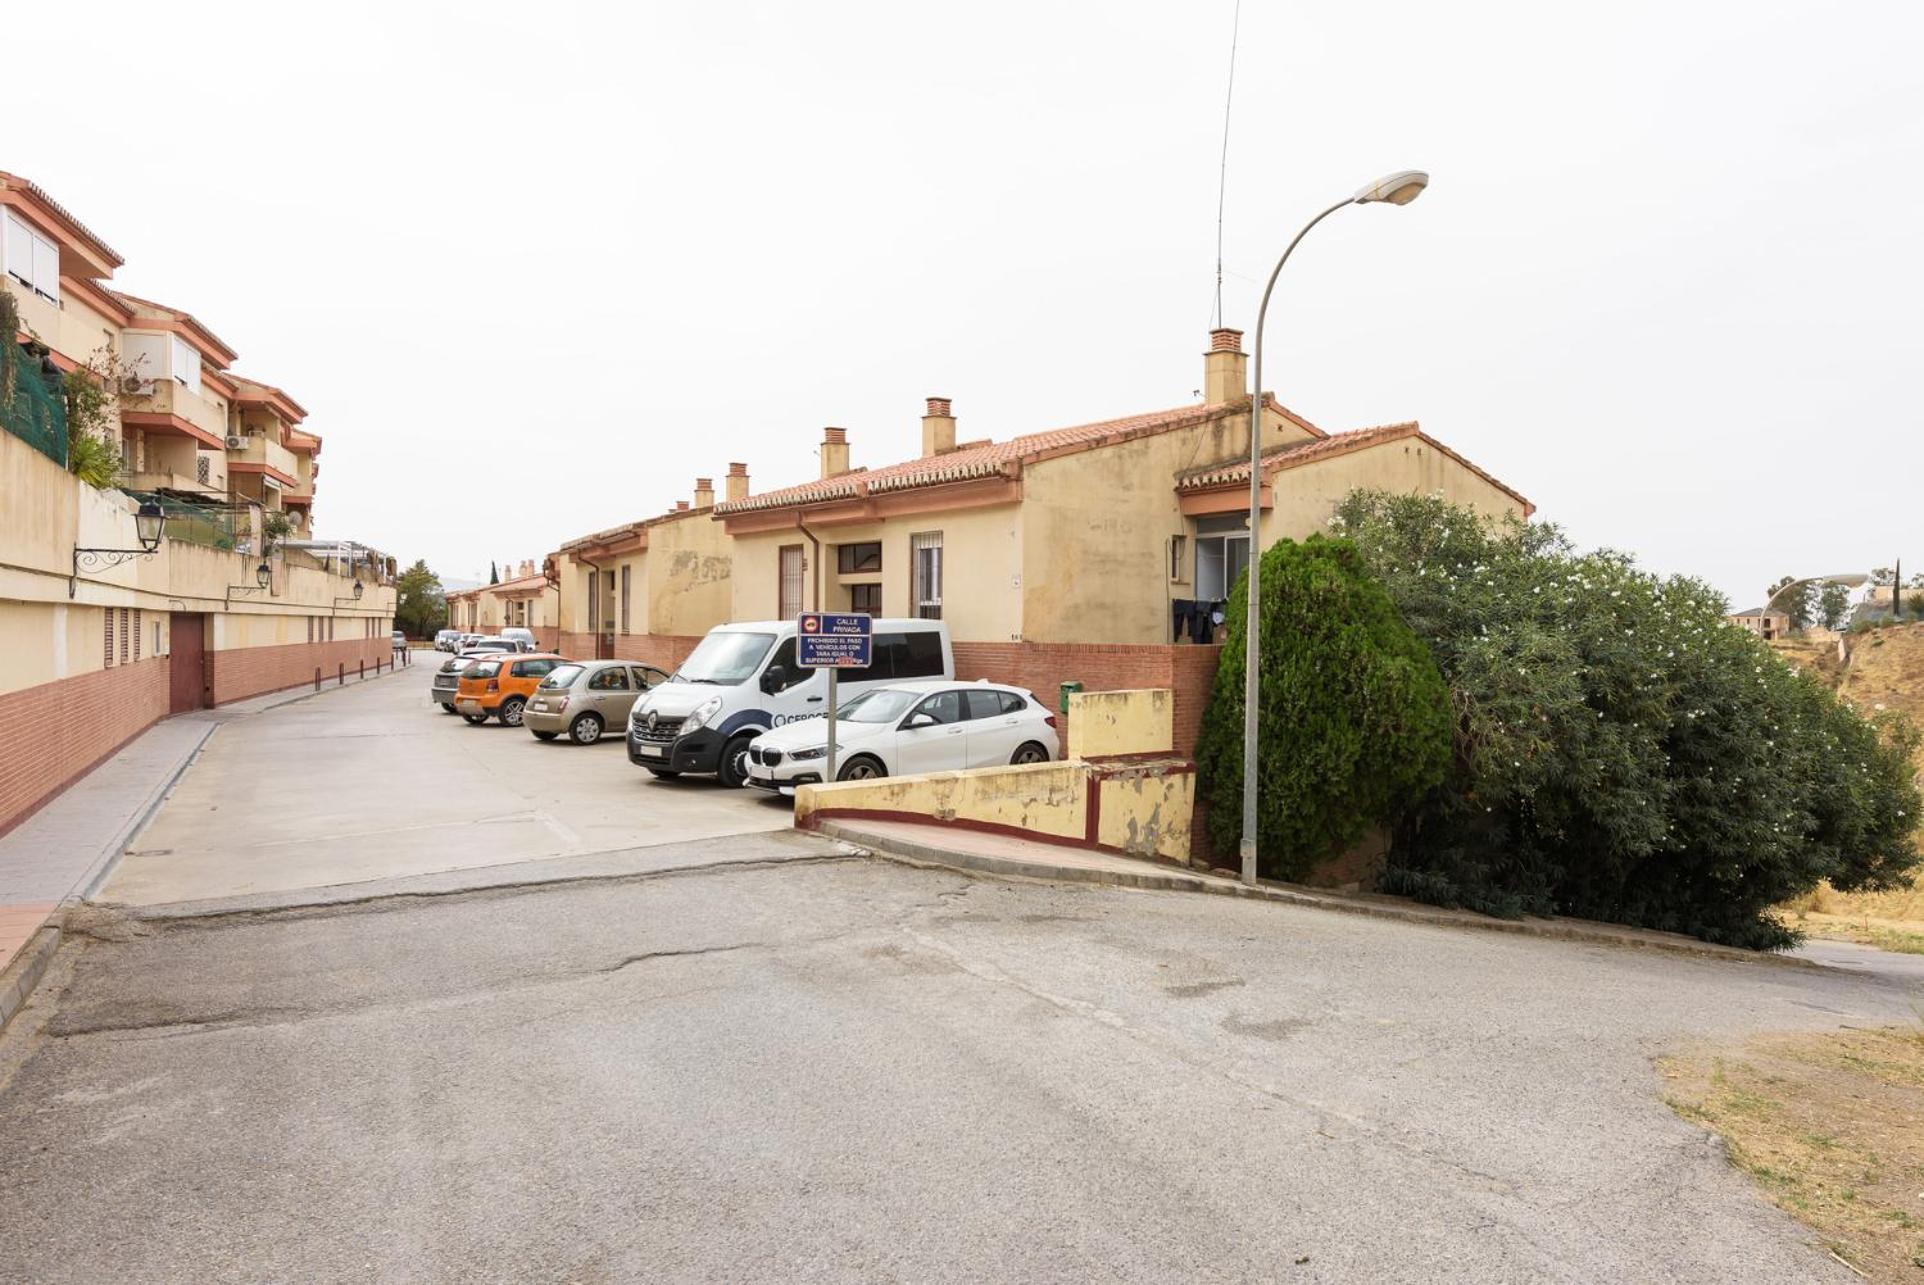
(236, 443)
(135, 386)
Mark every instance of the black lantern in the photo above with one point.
(263, 575)
(359, 589)
(148, 523)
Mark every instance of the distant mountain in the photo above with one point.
(454, 585)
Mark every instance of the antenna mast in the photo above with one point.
(1222, 180)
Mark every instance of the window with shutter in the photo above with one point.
(624, 598)
(107, 638)
(186, 367)
(788, 602)
(137, 631)
(925, 568)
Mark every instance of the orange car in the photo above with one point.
(502, 687)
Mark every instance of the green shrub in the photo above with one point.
(1621, 751)
(1354, 717)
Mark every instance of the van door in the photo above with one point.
(789, 692)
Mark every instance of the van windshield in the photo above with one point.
(724, 659)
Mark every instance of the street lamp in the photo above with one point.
(1399, 188)
(1849, 579)
(359, 589)
(263, 578)
(150, 522)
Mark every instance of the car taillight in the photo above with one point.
(561, 704)
(1050, 719)
(493, 685)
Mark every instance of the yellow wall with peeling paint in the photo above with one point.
(1132, 721)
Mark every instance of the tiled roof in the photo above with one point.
(187, 319)
(74, 225)
(1298, 454)
(627, 529)
(987, 459)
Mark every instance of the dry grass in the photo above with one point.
(1886, 671)
(1831, 1127)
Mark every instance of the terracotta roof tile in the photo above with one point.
(1298, 454)
(990, 458)
(74, 225)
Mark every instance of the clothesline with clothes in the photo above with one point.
(1195, 619)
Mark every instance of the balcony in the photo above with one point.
(265, 455)
(165, 406)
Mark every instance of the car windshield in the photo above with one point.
(484, 669)
(724, 659)
(562, 676)
(882, 705)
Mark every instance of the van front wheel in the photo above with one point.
(732, 771)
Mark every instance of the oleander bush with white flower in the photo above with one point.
(1620, 751)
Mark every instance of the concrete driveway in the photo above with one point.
(824, 1067)
(375, 782)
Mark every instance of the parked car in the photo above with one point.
(905, 728)
(742, 679)
(499, 687)
(447, 679)
(446, 639)
(586, 698)
(522, 636)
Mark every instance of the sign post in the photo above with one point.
(833, 641)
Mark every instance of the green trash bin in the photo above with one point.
(1062, 700)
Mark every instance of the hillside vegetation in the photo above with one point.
(1885, 672)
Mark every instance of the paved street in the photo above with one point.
(749, 1055)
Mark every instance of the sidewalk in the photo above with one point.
(60, 852)
(1010, 856)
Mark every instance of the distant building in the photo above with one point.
(1765, 624)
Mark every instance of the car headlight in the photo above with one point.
(703, 712)
(820, 751)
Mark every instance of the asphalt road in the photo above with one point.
(821, 1067)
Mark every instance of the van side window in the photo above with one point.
(785, 657)
(920, 657)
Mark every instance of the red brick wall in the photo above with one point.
(253, 671)
(56, 732)
(575, 646)
(1042, 667)
(664, 651)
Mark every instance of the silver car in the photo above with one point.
(447, 679)
(584, 698)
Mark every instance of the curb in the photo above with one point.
(925, 855)
(25, 972)
(110, 856)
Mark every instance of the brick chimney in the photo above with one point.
(681, 506)
(704, 492)
(737, 482)
(1225, 368)
(834, 452)
(938, 428)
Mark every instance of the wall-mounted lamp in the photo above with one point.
(150, 524)
(263, 579)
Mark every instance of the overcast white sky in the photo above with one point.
(534, 268)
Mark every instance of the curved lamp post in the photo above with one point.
(1849, 579)
(1399, 188)
(150, 524)
(359, 589)
(263, 579)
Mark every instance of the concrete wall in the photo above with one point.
(690, 577)
(1146, 811)
(1188, 671)
(1107, 724)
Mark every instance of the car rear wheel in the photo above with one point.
(545, 736)
(510, 711)
(1029, 752)
(446, 708)
(476, 719)
(585, 730)
(862, 768)
(732, 771)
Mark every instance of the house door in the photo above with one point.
(187, 667)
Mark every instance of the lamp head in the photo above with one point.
(359, 589)
(263, 575)
(1399, 188)
(148, 524)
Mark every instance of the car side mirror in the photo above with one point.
(774, 678)
(919, 720)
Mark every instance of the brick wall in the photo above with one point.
(253, 671)
(57, 731)
(1042, 668)
(664, 651)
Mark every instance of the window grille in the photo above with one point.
(925, 565)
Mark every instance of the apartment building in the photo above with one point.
(194, 579)
(524, 601)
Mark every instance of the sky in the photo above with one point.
(534, 269)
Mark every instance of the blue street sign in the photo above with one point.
(832, 640)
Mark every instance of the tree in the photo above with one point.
(1800, 604)
(1355, 720)
(1621, 752)
(1834, 606)
(420, 605)
(494, 576)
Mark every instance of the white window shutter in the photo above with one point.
(18, 248)
(46, 267)
(186, 364)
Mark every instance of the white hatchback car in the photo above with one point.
(934, 725)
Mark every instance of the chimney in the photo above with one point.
(704, 492)
(737, 482)
(1225, 368)
(938, 428)
(834, 452)
(681, 506)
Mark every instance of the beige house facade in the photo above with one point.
(105, 634)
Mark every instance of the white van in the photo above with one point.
(742, 680)
(523, 636)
